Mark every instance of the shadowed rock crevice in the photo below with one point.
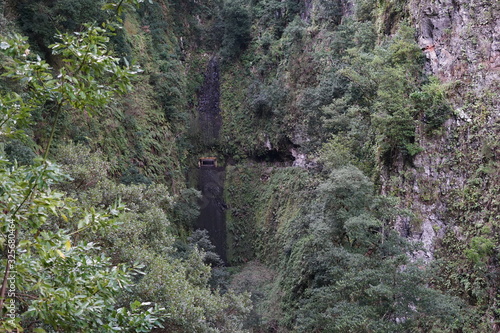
(212, 207)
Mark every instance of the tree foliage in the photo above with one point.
(55, 279)
(56, 276)
(344, 269)
(236, 29)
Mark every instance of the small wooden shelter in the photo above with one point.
(207, 162)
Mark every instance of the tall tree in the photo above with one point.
(50, 277)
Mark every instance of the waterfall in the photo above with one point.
(210, 177)
(210, 120)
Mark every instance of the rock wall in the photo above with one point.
(461, 40)
(210, 120)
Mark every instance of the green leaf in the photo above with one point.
(39, 330)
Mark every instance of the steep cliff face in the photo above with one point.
(339, 57)
(461, 39)
(461, 42)
(452, 186)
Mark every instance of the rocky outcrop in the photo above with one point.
(461, 40)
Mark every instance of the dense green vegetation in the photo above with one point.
(100, 135)
(340, 266)
(99, 256)
(352, 91)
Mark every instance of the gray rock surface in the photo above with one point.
(461, 40)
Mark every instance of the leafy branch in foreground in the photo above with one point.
(50, 279)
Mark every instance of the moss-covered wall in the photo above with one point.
(262, 200)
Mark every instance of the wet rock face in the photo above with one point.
(212, 208)
(210, 120)
(461, 38)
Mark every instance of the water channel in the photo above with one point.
(210, 176)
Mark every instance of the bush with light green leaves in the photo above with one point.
(53, 280)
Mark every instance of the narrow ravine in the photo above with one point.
(212, 208)
(211, 177)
